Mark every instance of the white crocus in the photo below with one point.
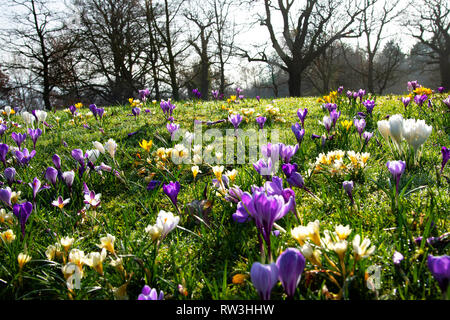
(383, 127)
(362, 250)
(396, 128)
(416, 132)
(93, 155)
(111, 147)
(7, 111)
(28, 118)
(166, 222)
(99, 147)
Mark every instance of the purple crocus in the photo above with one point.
(22, 212)
(291, 264)
(441, 89)
(215, 94)
(361, 94)
(172, 128)
(36, 186)
(360, 124)
(235, 120)
(406, 101)
(330, 106)
(136, 111)
(51, 174)
(287, 152)
(445, 157)
(396, 168)
(261, 121)
(100, 112)
(24, 157)
(348, 187)
(298, 131)
(3, 128)
(18, 138)
(367, 136)
(78, 155)
(34, 135)
(264, 168)
(369, 104)
(73, 110)
(5, 196)
(143, 94)
(150, 294)
(153, 184)
(264, 277)
(340, 89)
(171, 190)
(334, 115)
(56, 161)
(301, 113)
(294, 178)
(10, 174)
(258, 98)
(420, 99)
(440, 268)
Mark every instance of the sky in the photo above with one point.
(248, 37)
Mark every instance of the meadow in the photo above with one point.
(101, 203)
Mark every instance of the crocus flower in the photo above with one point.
(235, 120)
(258, 98)
(144, 93)
(334, 115)
(111, 147)
(153, 184)
(56, 161)
(406, 101)
(396, 128)
(18, 138)
(264, 168)
(166, 222)
(22, 212)
(36, 186)
(420, 99)
(369, 104)
(171, 190)
(415, 132)
(396, 168)
(327, 123)
(360, 124)
(5, 196)
(51, 174)
(92, 199)
(445, 156)
(60, 203)
(172, 128)
(298, 131)
(3, 128)
(292, 176)
(260, 121)
(330, 107)
(447, 101)
(136, 111)
(9, 174)
(397, 258)
(301, 113)
(150, 294)
(287, 152)
(340, 89)
(367, 136)
(100, 112)
(34, 135)
(440, 268)
(441, 89)
(24, 157)
(68, 178)
(291, 264)
(348, 187)
(78, 155)
(264, 277)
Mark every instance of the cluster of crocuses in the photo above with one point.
(356, 94)
(414, 132)
(97, 112)
(333, 162)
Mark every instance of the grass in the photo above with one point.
(199, 259)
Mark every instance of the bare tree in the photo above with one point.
(202, 19)
(33, 39)
(429, 23)
(307, 31)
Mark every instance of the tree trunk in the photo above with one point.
(370, 72)
(444, 66)
(294, 83)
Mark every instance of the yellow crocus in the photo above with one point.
(195, 170)
(346, 124)
(146, 145)
(23, 259)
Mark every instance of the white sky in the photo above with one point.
(248, 37)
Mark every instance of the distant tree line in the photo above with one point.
(104, 51)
